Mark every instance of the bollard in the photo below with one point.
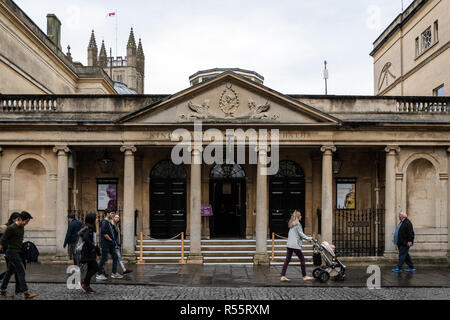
(273, 246)
(182, 248)
(141, 249)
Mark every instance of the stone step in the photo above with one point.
(216, 251)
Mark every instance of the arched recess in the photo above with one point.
(421, 192)
(29, 189)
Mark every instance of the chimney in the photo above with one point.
(54, 29)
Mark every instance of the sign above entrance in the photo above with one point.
(207, 210)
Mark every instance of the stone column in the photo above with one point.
(262, 208)
(128, 200)
(195, 218)
(390, 211)
(327, 193)
(62, 199)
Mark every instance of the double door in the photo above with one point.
(167, 207)
(285, 195)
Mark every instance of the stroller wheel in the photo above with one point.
(324, 276)
(316, 272)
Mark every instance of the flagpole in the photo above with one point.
(117, 54)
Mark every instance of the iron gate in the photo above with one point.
(359, 233)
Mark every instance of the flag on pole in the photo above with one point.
(110, 14)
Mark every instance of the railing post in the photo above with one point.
(182, 248)
(273, 246)
(141, 249)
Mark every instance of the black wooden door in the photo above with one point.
(167, 207)
(286, 193)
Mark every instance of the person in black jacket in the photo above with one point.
(404, 239)
(12, 219)
(71, 239)
(89, 252)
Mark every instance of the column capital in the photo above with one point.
(128, 149)
(262, 149)
(327, 149)
(392, 149)
(61, 149)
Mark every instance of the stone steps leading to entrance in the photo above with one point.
(216, 251)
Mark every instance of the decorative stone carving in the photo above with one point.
(229, 101)
(261, 111)
(198, 111)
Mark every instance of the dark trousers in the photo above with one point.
(105, 252)
(403, 256)
(288, 259)
(15, 266)
(71, 252)
(92, 268)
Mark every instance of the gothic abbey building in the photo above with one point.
(129, 70)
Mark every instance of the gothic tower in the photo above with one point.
(131, 50)
(92, 51)
(103, 58)
(129, 70)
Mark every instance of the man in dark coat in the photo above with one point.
(72, 236)
(89, 252)
(404, 239)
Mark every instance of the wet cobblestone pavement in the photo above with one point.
(139, 292)
(244, 276)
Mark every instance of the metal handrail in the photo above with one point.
(141, 247)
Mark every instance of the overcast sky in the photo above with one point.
(286, 41)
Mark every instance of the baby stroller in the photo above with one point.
(332, 268)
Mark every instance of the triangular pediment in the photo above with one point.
(229, 98)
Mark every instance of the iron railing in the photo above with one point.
(359, 233)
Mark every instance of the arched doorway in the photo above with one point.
(167, 200)
(227, 196)
(286, 193)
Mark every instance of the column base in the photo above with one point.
(261, 259)
(390, 255)
(195, 259)
(129, 258)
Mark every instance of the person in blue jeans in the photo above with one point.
(108, 245)
(404, 239)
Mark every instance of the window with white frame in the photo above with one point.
(427, 39)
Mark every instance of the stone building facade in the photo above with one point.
(411, 56)
(394, 150)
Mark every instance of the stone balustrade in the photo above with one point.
(433, 105)
(28, 104)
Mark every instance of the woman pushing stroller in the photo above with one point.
(294, 244)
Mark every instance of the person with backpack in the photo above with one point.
(108, 245)
(88, 250)
(74, 226)
(294, 244)
(116, 224)
(13, 240)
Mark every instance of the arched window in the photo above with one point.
(289, 169)
(166, 169)
(227, 171)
